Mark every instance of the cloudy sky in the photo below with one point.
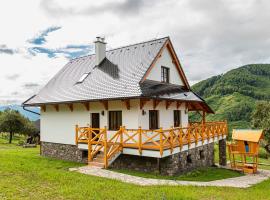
(37, 37)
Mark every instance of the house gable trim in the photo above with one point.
(175, 60)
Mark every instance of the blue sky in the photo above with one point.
(38, 37)
(70, 51)
(41, 37)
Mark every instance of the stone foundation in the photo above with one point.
(182, 162)
(63, 152)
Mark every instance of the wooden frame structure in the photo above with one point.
(142, 139)
(244, 150)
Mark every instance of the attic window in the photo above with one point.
(83, 77)
(165, 74)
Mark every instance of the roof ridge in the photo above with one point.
(152, 40)
(121, 47)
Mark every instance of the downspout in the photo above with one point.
(31, 111)
(23, 105)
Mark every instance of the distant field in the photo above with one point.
(26, 175)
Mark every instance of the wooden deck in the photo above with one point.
(112, 143)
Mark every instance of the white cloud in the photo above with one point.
(210, 37)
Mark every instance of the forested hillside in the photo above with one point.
(233, 95)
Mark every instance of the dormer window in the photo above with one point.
(165, 74)
(83, 77)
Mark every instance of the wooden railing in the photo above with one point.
(112, 143)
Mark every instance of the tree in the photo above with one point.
(12, 121)
(261, 119)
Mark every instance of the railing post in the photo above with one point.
(105, 148)
(180, 138)
(121, 137)
(207, 132)
(225, 132)
(196, 135)
(140, 139)
(76, 134)
(89, 139)
(171, 138)
(161, 141)
(215, 130)
(188, 135)
(202, 133)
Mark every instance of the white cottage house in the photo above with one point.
(126, 108)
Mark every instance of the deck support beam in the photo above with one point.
(222, 152)
(158, 165)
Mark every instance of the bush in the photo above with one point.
(263, 153)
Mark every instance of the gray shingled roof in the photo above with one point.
(118, 76)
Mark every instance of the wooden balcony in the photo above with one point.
(161, 140)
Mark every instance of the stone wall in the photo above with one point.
(63, 152)
(182, 162)
(222, 152)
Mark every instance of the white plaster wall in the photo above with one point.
(59, 127)
(165, 115)
(166, 61)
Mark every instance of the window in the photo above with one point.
(83, 77)
(153, 119)
(115, 120)
(165, 71)
(177, 118)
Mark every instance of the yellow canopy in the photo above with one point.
(247, 135)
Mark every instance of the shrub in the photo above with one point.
(263, 153)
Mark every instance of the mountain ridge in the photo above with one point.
(233, 95)
(29, 115)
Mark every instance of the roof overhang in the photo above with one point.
(247, 135)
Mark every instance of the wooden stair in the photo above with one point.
(98, 160)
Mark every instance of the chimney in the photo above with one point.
(100, 49)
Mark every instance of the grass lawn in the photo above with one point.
(26, 175)
(204, 174)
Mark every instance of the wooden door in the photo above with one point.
(95, 120)
(95, 124)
